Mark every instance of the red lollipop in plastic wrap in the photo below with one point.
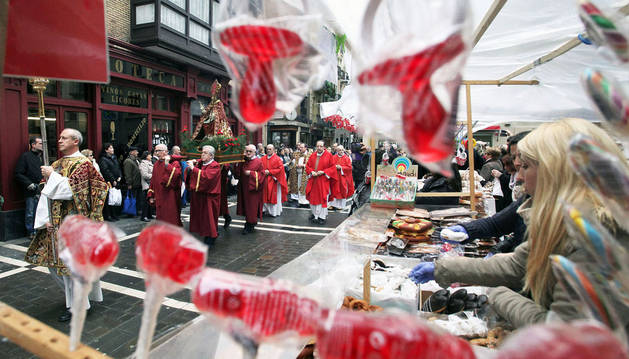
(170, 257)
(88, 249)
(255, 309)
(577, 340)
(262, 45)
(427, 125)
(354, 335)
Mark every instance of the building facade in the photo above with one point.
(162, 65)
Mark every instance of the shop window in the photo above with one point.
(124, 129)
(34, 129)
(51, 89)
(144, 14)
(164, 103)
(163, 132)
(200, 9)
(199, 33)
(77, 121)
(74, 91)
(173, 19)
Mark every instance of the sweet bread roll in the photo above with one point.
(358, 304)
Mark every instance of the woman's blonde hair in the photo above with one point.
(547, 147)
(87, 152)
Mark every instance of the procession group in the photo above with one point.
(316, 178)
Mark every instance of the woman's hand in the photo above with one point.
(423, 272)
(496, 173)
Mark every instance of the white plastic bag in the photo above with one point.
(409, 73)
(271, 51)
(497, 189)
(115, 197)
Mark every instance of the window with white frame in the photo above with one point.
(173, 19)
(199, 33)
(144, 14)
(200, 9)
(215, 5)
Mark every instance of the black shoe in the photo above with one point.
(320, 221)
(311, 217)
(247, 229)
(153, 216)
(144, 219)
(228, 221)
(209, 241)
(65, 316)
(314, 220)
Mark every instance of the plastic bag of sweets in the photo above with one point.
(356, 335)
(253, 309)
(170, 257)
(604, 172)
(576, 340)
(271, 51)
(606, 26)
(88, 248)
(609, 99)
(409, 72)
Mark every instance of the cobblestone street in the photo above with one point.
(113, 325)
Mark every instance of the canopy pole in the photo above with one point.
(372, 159)
(489, 17)
(569, 45)
(470, 147)
(497, 82)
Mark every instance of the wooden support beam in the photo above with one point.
(372, 159)
(446, 194)
(40, 339)
(567, 46)
(470, 147)
(497, 82)
(489, 17)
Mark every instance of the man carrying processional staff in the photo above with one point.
(72, 185)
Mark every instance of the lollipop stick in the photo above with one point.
(80, 291)
(152, 303)
(249, 346)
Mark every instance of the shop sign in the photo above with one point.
(145, 73)
(124, 96)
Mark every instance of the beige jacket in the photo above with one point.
(506, 273)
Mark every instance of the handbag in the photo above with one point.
(129, 205)
(115, 197)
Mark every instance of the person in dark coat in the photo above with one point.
(110, 169)
(131, 169)
(28, 174)
(438, 183)
(507, 181)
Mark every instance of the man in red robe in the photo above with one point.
(340, 187)
(320, 170)
(165, 187)
(204, 187)
(250, 175)
(275, 186)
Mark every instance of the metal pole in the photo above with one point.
(372, 159)
(39, 85)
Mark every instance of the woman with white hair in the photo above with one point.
(526, 289)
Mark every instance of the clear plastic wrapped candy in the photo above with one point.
(576, 340)
(271, 51)
(170, 257)
(606, 27)
(355, 335)
(604, 172)
(409, 74)
(88, 248)
(253, 310)
(609, 99)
